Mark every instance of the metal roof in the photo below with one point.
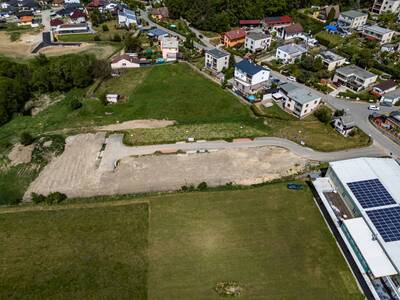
(330, 56)
(217, 53)
(299, 94)
(292, 49)
(377, 29)
(353, 14)
(354, 70)
(249, 67)
(257, 35)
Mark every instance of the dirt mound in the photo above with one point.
(136, 124)
(21, 154)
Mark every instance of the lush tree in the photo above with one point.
(26, 138)
(323, 114)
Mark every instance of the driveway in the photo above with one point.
(115, 150)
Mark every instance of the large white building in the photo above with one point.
(299, 101)
(384, 6)
(352, 19)
(216, 60)
(257, 41)
(362, 197)
(380, 34)
(250, 77)
(289, 53)
(354, 77)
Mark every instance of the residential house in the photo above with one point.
(390, 98)
(354, 77)
(72, 28)
(384, 87)
(344, 124)
(169, 48)
(159, 13)
(257, 41)
(157, 33)
(234, 37)
(249, 24)
(56, 22)
(25, 21)
(127, 18)
(78, 17)
(290, 32)
(391, 48)
(352, 19)
(96, 4)
(386, 6)
(299, 101)
(382, 35)
(331, 60)
(216, 60)
(125, 61)
(290, 52)
(272, 23)
(250, 77)
(324, 12)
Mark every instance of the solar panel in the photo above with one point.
(371, 193)
(387, 222)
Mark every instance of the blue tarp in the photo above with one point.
(331, 28)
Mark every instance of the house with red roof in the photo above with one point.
(249, 23)
(55, 22)
(234, 37)
(290, 32)
(99, 4)
(277, 22)
(77, 16)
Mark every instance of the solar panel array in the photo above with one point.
(371, 193)
(387, 222)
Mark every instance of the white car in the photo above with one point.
(292, 78)
(373, 107)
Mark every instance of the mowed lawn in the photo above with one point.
(77, 253)
(273, 241)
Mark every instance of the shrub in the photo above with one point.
(339, 113)
(202, 186)
(117, 38)
(323, 114)
(26, 138)
(75, 104)
(14, 36)
(55, 197)
(38, 198)
(105, 27)
(96, 38)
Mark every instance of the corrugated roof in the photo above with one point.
(278, 20)
(249, 22)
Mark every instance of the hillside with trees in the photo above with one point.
(220, 15)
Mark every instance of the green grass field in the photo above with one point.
(271, 240)
(76, 37)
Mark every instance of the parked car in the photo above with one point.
(292, 78)
(373, 107)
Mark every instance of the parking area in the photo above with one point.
(76, 172)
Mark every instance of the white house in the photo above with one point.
(290, 52)
(344, 124)
(291, 32)
(125, 61)
(331, 60)
(382, 35)
(391, 98)
(77, 17)
(170, 48)
(127, 17)
(72, 1)
(257, 41)
(299, 101)
(384, 6)
(352, 19)
(216, 60)
(354, 77)
(250, 77)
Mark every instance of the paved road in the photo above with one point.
(358, 110)
(116, 150)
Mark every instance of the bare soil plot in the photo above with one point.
(20, 154)
(137, 124)
(76, 171)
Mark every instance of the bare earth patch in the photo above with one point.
(136, 124)
(76, 171)
(21, 154)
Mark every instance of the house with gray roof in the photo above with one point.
(331, 60)
(380, 34)
(216, 60)
(344, 124)
(257, 41)
(391, 98)
(352, 19)
(298, 100)
(354, 77)
(290, 52)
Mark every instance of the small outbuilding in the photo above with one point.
(112, 98)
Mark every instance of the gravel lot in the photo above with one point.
(76, 171)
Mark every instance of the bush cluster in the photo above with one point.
(52, 198)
